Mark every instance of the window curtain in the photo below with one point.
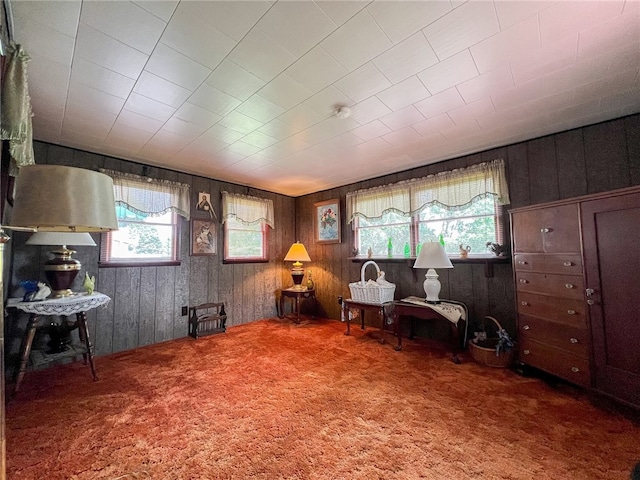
(247, 210)
(150, 196)
(450, 189)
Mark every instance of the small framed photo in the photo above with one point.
(204, 205)
(327, 221)
(203, 237)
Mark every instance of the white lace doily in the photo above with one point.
(80, 302)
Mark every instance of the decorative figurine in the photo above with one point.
(89, 283)
(370, 252)
(464, 251)
(497, 249)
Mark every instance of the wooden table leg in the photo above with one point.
(396, 324)
(347, 316)
(83, 333)
(26, 350)
(297, 320)
(455, 342)
(281, 310)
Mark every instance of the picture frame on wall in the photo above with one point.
(204, 205)
(203, 237)
(327, 221)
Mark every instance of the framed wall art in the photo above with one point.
(327, 221)
(203, 237)
(204, 205)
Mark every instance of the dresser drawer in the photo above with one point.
(560, 310)
(569, 264)
(555, 361)
(571, 339)
(565, 286)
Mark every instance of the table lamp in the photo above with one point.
(432, 256)
(297, 254)
(61, 270)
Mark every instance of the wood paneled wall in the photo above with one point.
(147, 301)
(592, 159)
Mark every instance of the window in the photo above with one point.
(148, 213)
(246, 227)
(464, 206)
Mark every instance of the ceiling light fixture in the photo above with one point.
(343, 112)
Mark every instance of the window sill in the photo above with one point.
(487, 260)
(160, 263)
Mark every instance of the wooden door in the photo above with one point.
(612, 265)
(552, 229)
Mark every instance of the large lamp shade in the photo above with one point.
(56, 198)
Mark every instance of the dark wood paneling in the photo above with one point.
(543, 173)
(632, 129)
(148, 291)
(518, 175)
(169, 323)
(127, 309)
(103, 339)
(572, 177)
(605, 146)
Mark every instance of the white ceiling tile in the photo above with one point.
(458, 133)
(402, 137)
(405, 93)
(401, 19)
(244, 149)
(472, 22)
(257, 160)
(406, 59)
(371, 130)
(260, 109)
(47, 78)
(89, 98)
(199, 117)
(171, 65)
(327, 101)
(77, 140)
(568, 18)
(486, 84)
(259, 139)
(284, 91)
(85, 122)
(471, 112)
(51, 110)
(449, 72)
(374, 146)
(298, 26)
(353, 51)
(433, 126)
(97, 47)
(543, 60)
(329, 128)
(316, 70)
(124, 21)
(163, 144)
(368, 110)
(402, 118)
(234, 80)
(301, 117)
(221, 133)
(127, 136)
(159, 89)
(43, 41)
(148, 107)
(510, 13)
(440, 103)
(60, 16)
(163, 9)
(187, 130)
(286, 147)
(509, 44)
(91, 74)
(240, 123)
(363, 82)
(277, 129)
(261, 55)
(340, 11)
(135, 120)
(619, 33)
(214, 100)
(191, 34)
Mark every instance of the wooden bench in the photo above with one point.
(207, 319)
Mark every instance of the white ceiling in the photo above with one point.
(246, 91)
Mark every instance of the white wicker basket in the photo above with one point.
(372, 291)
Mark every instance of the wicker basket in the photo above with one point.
(487, 355)
(371, 291)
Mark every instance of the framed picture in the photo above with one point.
(327, 221)
(203, 237)
(204, 204)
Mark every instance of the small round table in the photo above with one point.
(297, 294)
(77, 304)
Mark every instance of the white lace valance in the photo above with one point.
(150, 196)
(453, 188)
(247, 210)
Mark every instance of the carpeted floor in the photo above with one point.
(274, 400)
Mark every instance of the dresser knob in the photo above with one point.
(567, 264)
(573, 340)
(571, 312)
(568, 285)
(522, 280)
(575, 369)
(522, 262)
(545, 230)
(526, 327)
(526, 352)
(525, 303)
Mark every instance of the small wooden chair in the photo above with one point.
(207, 319)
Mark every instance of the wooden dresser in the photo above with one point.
(576, 265)
(553, 330)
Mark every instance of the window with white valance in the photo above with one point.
(246, 234)
(462, 206)
(450, 189)
(150, 196)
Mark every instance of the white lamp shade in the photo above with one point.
(297, 253)
(53, 198)
(432, 255)
(61, 238)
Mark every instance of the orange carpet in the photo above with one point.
(274, 400)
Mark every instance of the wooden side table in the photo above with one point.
(79, 305)
(384, 311)
(296, 294)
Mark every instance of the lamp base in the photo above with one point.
(432, 286)
(297, 274)
(61, 271)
